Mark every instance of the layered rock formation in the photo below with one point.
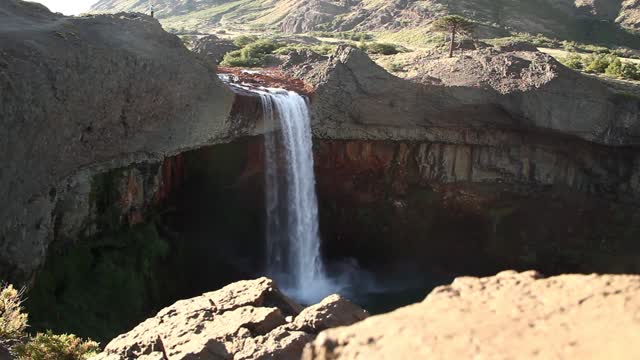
(483, 142)
(84, 95)
(508, 316)
(514, 88)
(245, 320)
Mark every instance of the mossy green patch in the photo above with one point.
(99, 287)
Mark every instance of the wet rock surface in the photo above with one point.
(507, 316)
(245, 320)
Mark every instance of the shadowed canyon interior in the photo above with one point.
(390, 212)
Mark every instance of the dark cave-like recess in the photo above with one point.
(375, 211)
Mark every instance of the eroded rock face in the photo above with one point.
(516, 91)
(456, 160)
(84, 95)
(508, 316)
(213, 48)
(245, 320)
(528, 203)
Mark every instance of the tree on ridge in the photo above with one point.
(453, 25)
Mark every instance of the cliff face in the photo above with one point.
(89, 94)
(466, 99)
(501, 158)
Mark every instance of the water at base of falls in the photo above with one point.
(293, 240)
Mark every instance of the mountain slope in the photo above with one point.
(593, 21)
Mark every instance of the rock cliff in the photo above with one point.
(89, 93)
(513, 88)
(491, 139)
(508, 316)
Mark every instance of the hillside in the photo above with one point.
(589, 21)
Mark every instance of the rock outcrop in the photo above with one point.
(245, 320)
(80, 96)
(517, 89)
(467, 151)
(213, 48)
(508, 316)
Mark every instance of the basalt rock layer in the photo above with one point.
(245, 320)
(501, 152)
(508, 316)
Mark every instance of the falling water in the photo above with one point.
(293, 240)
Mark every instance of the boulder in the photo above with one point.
(213, 48)
(244, 320)
(331, 312)
(507, 316)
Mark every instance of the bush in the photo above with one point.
(244, 40)
(380, 48)
(319, 49)
(260, 48)
(614, 69)
(630, 71)
(252, 54)
(598, 64)
(13, 322)
(573, 61)
(56, 347)
(346, 35)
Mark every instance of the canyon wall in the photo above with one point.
(500, 158)
(84, 95)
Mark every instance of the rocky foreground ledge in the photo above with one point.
(245, 320)
(507, 316)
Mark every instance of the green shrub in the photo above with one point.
(630, 71)
(244, 40)
(379, 48)
(573, 61)
(614, 69)
(261, 47)
(598, 64)
(252, 54)
(48, 346)
(13, 322)
(324, 49)
(102, 287)
(346, 35)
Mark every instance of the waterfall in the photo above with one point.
(293, 239)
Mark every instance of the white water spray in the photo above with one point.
(293, 240)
